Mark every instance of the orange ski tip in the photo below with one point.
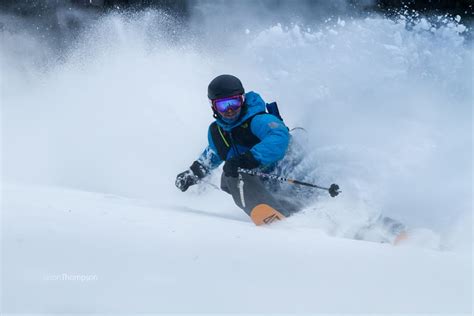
(400, 238)
(265, 214)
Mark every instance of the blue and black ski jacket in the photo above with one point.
(264, 134)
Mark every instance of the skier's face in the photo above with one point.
(229, 108)
(230, 114)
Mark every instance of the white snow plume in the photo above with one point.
(387, 105)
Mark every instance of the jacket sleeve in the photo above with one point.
(274, 138)
(209, 157)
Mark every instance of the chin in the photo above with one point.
(229, 120)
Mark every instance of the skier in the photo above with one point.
(243, 135)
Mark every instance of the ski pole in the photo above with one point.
(333, 188)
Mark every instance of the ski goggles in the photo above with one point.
(224, 104)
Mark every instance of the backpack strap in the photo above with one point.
(272, 108)
(220, 142)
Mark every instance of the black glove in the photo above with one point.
(191, 176)
(244, 161)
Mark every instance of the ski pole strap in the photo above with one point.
(333, 189)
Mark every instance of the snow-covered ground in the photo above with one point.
(94, 133)
(67, 250)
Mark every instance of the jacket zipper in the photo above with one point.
(232, 142)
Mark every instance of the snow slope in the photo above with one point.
(95, 130)
(75, 251)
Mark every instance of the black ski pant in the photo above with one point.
(249, 191)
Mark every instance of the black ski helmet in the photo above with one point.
(224, 86)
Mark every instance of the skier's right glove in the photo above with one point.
(191, 176)
(246, 161)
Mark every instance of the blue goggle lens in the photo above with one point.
(224, 104)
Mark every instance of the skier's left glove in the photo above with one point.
(191, 176)
(245, 161)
